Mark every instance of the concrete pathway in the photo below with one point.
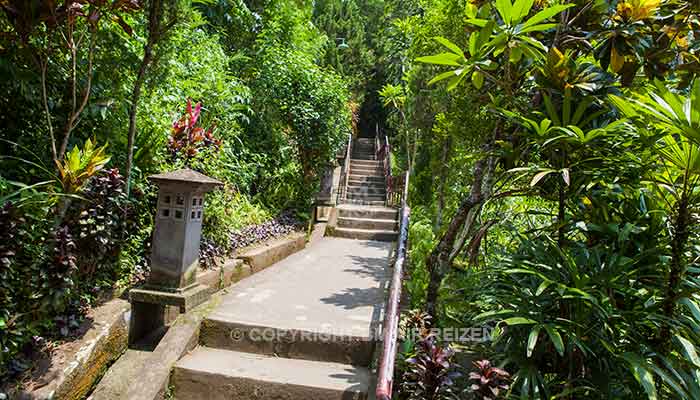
(303, 328)
(336, 286)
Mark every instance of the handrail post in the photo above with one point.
(377, 141)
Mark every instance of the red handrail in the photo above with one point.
(385, 378)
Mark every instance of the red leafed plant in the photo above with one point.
(431, 372)
(488, 382)
(187, 139)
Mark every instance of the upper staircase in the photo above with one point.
(366, 181)
(363, 213)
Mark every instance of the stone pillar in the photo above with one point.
(325, 198)
(175, 252)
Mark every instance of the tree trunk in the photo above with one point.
(77, 109)
(469, 226)
(135, 95)
(560, 216)
(675, 275)
(441, 184)
(440, 259)
(154, 27)
(43, 65)
(438, 262)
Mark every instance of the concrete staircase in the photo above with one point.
(302, 329)
(366, 181)
(363, 214)
(366, 223)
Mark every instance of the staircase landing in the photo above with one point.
(304, 326)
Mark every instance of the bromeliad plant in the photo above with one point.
(187, 140)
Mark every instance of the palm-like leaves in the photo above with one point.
(393, 96)
(668, 112)
(675, 118)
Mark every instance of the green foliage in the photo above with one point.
(227, 211)
(347, 49)
(422, 242)
(261, 74)
(582, 253)
(309, 107)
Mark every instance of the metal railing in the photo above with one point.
(345, 175)
(394, 184)
(385, 378)
(383, 153)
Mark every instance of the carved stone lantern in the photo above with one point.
(175, 252)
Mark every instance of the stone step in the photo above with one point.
(363, 196)
(364, 202)
(374, 164)
(364, 157)
(312, 345)
(365, 234)
(366, 180)
(367, 190)
(351, 211)
(361, 174)
(368, 223)
(361, 179)
(370, 186)
(223, 375)
(366, 171)
(371, 163)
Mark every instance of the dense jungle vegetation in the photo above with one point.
(553, 147)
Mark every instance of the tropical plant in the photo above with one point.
(310, 105)
(101, 222)
(431, 372)
(489, 382)
(45, 31)
(510, 35)
(612, 196)
(80, 165)
(187, 139)
(394, 98)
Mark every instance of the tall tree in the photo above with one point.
(46, 30)
(162, 17)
